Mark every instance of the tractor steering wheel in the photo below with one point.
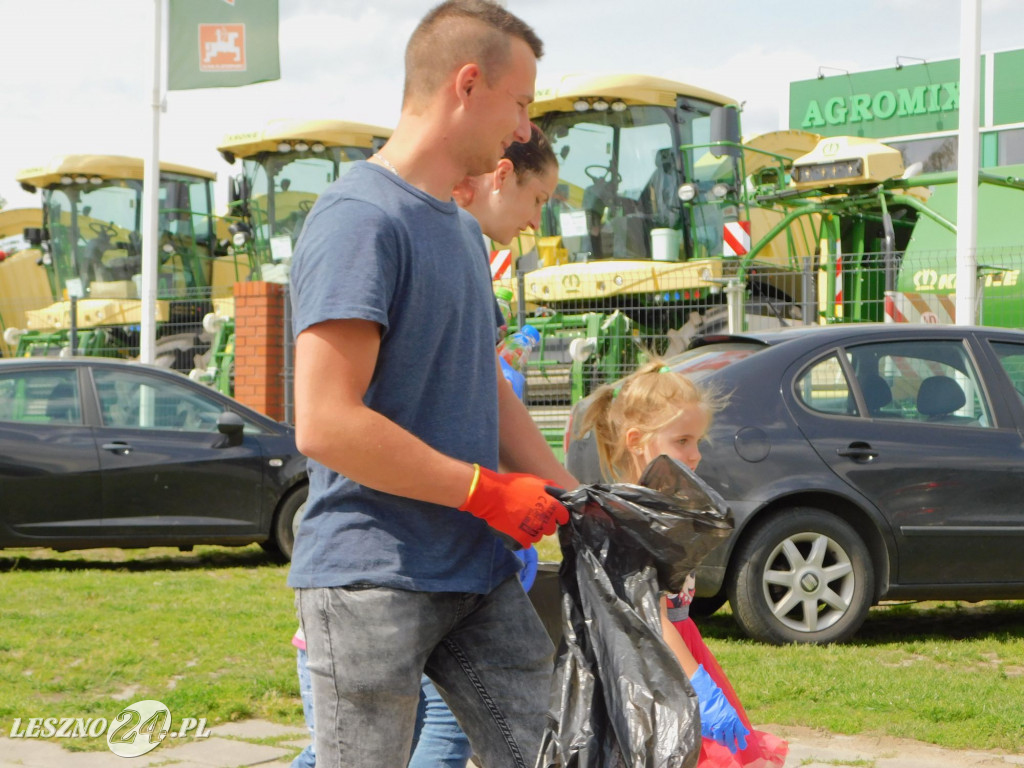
(599, 173)
(305, 205)
(102, 229)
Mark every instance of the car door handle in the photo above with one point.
(861, 452)
(118, 447)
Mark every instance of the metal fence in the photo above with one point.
(597, 320)
(605, 320)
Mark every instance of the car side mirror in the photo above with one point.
(232, 427)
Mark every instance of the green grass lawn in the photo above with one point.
(208, 634)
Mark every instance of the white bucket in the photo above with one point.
(665, 244)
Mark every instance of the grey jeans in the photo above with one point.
(488, 655)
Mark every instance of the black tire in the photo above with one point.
(702, 607)
(178, 352)
(803, 576)
(286, 520)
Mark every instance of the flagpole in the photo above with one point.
(151, 196)
(967, 164)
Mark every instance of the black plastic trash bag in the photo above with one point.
(619, 695)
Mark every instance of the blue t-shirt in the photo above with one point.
(377, 248)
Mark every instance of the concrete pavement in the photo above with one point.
(261, 743)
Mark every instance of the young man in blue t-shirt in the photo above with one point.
(404, 416)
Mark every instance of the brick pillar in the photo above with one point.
(259, 347)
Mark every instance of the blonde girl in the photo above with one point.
(651, 412)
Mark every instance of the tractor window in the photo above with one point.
(707, 210)
(199, 198)
(299, 179)
(94, 236)
(617, 180)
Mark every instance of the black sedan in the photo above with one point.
(862, 463)
(105, 453)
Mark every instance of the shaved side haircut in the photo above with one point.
(460, 32)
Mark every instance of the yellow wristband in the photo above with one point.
(472, 485)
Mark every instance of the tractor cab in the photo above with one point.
(90, 246)
(620, 143)
(285, 167)
(91, 234)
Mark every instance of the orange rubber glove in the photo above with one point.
(515, 504)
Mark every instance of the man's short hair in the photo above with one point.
(459, 32)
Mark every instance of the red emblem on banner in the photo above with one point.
(221, 47)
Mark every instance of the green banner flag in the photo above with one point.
(222, 43)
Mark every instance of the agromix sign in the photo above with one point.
(881, 103)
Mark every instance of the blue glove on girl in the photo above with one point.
(530, 562)
(718, 718)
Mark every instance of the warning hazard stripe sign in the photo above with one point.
(736, 238)
(501, 264)
(910, 307)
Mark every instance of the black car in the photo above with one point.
(96, 452)
(862, 463)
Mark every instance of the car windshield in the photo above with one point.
(701, 362)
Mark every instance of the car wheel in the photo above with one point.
(286, 521)
(804, 576)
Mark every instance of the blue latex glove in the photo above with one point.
(718, 718)
(530, 561)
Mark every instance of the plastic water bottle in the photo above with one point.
(515, 348)
(504, 298)
(513, 354)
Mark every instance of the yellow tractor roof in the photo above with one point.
(332, 133)
(103, 166)
(14, 220)
(632, 89)
(790, 144)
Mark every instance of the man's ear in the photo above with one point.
(464, 192)
(466, 79)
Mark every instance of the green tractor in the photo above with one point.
(90, 247)
(886, 235)
(285, 167)
(665, 225)
(642, 245)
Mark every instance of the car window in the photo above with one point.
(1011, 357)
(823, 387)
(926, 381)
(40, 396)
(136, 401)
